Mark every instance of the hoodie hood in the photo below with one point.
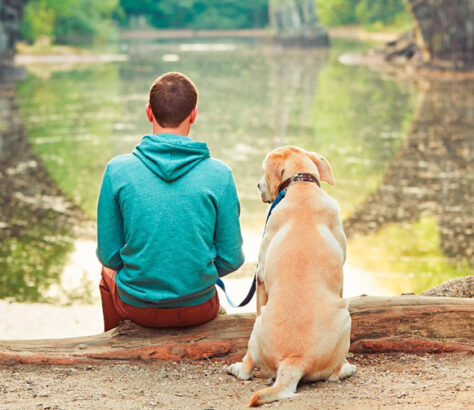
(170, 156)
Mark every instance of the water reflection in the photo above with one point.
(418, 225)
(38, 224)
(69, 119)
(252, 98)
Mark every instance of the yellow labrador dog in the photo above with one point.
(302, 330)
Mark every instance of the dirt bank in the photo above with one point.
(167, 34)
(359, 33)
(390, 381)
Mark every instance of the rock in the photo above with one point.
(455, 288)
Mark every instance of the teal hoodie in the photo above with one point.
(168, 222)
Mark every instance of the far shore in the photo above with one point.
(61, 54)
(347, 32)
(183, 33)
(359, 33)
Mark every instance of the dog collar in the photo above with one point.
(299, 177)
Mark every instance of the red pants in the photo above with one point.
(115, 310)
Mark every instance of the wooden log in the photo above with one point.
(413, 324)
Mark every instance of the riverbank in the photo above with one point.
(170, 34)
(389, 380)
(61, 54)
(347, 32)
(53, 54)
(359, 33)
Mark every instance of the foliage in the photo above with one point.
(38, 21)
(198, 14)
(337, 12)
(380, 11)
(68, 20)
(365, 12)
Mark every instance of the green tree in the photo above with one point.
(336, 12)
(379, 11)
(38, 21)
(198, 14)
(365, 12)
(68, 20)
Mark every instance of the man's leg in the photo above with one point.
(111, 317)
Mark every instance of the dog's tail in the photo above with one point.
(288, 376)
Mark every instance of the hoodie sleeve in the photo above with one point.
(110, 235)
(228, 238)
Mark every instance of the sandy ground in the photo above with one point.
(383, 381)
(43, 321)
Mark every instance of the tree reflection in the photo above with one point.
(69, 122)
(37, 223)
(431, 177)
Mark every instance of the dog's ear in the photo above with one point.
(273, 173)
(323, 166)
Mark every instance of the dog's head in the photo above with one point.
(284, 162)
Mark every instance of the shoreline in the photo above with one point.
(187, 33)
(359, 33)
(346, 32)
(70, 55)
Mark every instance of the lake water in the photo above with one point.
(401, 154)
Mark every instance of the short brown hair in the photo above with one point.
(172, 98)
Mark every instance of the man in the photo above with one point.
(168, 220)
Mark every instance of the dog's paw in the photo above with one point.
(235, 369)
(347, 370)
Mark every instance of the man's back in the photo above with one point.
(168, 221)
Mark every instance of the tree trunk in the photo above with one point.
(414, 324)
(445, 32)
(294, 22)
(11, 12)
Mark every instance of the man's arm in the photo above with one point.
(110, 235)
(228, 238)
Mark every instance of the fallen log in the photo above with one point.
(414, 324)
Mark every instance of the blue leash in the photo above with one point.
(253, 287)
